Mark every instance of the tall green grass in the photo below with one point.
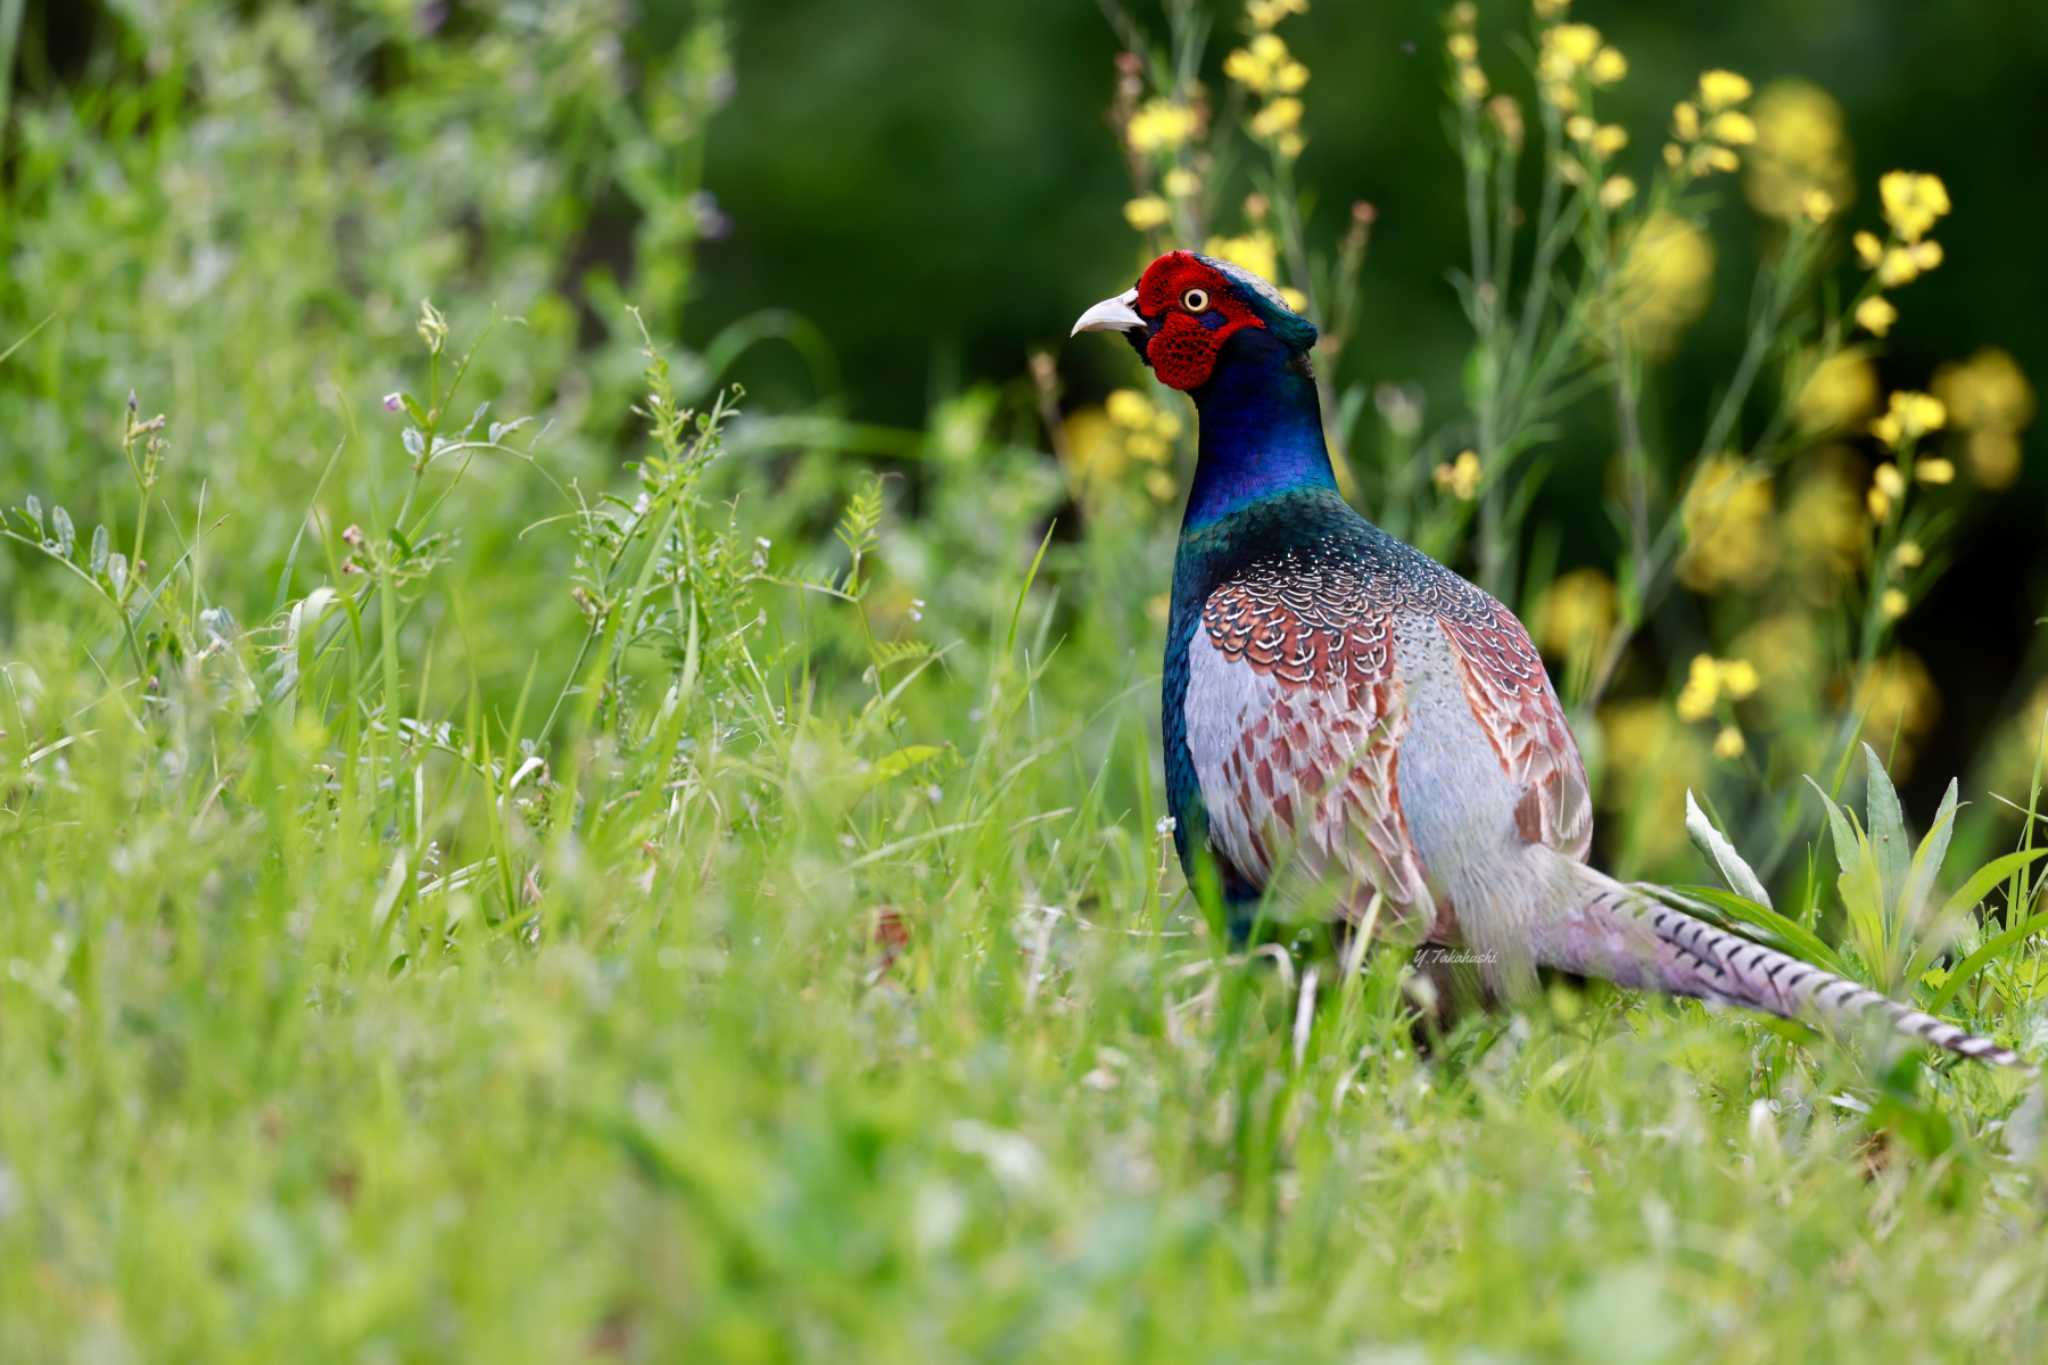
(508, 851)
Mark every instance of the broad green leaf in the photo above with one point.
(1991, 874)
(1715, 845)
(1927, 860)
(1887, 828)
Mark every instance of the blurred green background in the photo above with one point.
(926, 194)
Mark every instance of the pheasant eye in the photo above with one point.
(1195, 300)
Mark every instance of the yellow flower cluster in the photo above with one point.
(1254, 250)
(1825, 532)
(1912, 204)
(1576, 613)
(1468, 82)
(1146, 212)
(1706, 129)
(1988, 396)
(1161, 125)
(1265, 14)
(1662, 284)
(1799, 166)
(1709, 680)
(1838, 395)
(1266, 68)
(1909, 416)
(1101, 443)
(1729, 539)
(1569, 54)
(1460, 478)
(1897, 699)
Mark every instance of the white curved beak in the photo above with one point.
(1111, 315)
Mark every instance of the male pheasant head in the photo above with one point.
(1226, 338)
(1192, 316)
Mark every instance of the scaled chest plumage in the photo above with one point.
(1312, 657)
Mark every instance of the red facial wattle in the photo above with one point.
(1185, 340)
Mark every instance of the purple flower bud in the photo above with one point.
(393, 402)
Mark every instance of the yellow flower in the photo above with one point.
(1576, 613)
(1790, 649)
(1264, 14)
(1159, 484)
(1463, 47)
(1734, 127)
(1738, 678)
(1547, 10)
(1994, 457)
(1801, 153)
(1282, 115)
(1577, 43)
(1894, 603)
(1264, 66)
(1935, 471)
(1709, 159)
(1909, 555)
(1160, 125)
(1254, 252)
(1869, 251)
(1472, 83)
(1180, 182)
(1729, 744)
(1709, 679)
(1093, 449)
(1146, 213)
(1663, 281)
(1824, 526)
(1838, 395)
(1908, 417)
(1144, 446)
(1618, 190)
(1685, 121)
(1912, 202)
(1674, 155)
(1729, 540)
(1288, 146)
(1702, 687)
(1609, 139)
(1464, 14)
(1989, 397)
(1890, 480)
(1460, 478)
(1608, 67)
(1876, 315)
(1128, 408)
(1580, 128)
(1896, 697)
(1904, 264)
(1987, 391)
(1720, 89)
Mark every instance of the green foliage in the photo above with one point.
(661, 878)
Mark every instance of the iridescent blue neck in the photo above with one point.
(1261, 431)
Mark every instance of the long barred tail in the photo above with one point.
(1616, 932)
